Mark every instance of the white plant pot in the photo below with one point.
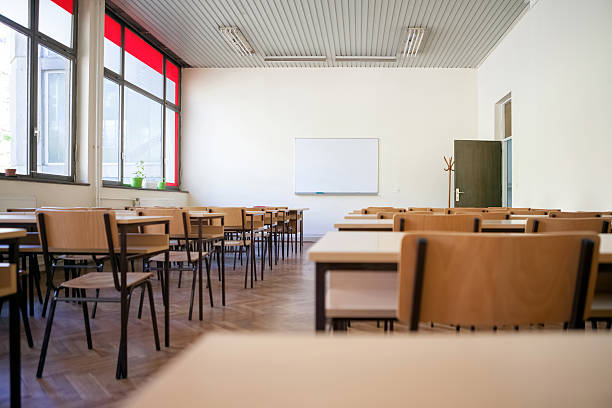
(150, 183)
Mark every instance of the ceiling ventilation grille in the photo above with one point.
(412, 42)
(237, 40)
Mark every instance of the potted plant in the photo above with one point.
(10, 172)
(162, 184)
(139, 175)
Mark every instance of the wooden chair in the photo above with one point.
(575, 214)
(462, 210)
(418, 222)
(184, 256)
(420, 209)
(238, 238)
(495, 215)
(494, 280)
(374, 210)
(93, 232)
(547, 224)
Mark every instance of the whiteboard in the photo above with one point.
(336, 166)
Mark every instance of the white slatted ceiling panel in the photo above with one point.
(460, 33)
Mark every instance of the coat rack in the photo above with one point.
(450, 167)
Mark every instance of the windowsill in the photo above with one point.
(40, 180)
(143, 189)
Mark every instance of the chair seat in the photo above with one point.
(367, 295)
(79, 257)
(602, 305)
(234, 243)
(104, 280)
(178, 256)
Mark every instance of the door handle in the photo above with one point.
(458, 194)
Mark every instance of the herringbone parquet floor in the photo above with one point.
(75, 376)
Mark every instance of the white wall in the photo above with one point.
(557, 62)
(238, 127)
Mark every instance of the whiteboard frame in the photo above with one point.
(317, 193)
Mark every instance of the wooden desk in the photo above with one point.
(377, 251)
(364, 225)
(360, 217)
(10, 236)
(503, 225)
(479, 370)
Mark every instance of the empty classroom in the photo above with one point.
(305, 203)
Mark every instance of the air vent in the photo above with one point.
(365, 58)
(295, 58)
(237, 40)
(412, 41)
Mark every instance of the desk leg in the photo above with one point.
(301, 231)
(200, 306)
(122, 367)
(320, 296)
(222, 271)
(15, 351)
(167, 289)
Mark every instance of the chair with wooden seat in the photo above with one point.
(449, 222)
(86, 232)
(184, 256)
(547, 224)
(497, 280)
(374, 210)
(575, 214)
(238, 237)
(462, 210)
(420, 209)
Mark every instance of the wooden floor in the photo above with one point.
(76, 376)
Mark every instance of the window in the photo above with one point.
(141, 111)
(37, 88)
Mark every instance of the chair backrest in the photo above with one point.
(420, 209)
(374, 210)
(495, 215)
(425, 222)
(462, 210)
(547, 224)
(386, 215)
(497, 279)
(20, 209)
(62, 231)
(234, 216)
(575, 214)
(177, 225)
(204, 209)
(515, 211)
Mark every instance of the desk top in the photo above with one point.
(12, 233)
(18, 218)
(486, 370)
(504, 224)
(367, 223)
(360, 217)
(121, 219)
(357, 246)
(366, 246)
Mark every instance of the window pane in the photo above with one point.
(143, 65)
(16, 10)
(54, 116)
(171, 150)
(110, 131)
(55, 20)
(112, 44)
(172, 80)
(13, 100)
(143, 135)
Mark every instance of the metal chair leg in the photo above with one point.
(207, 263)
(193, 286)
(45, 345)
(86, 318)
(24, 316)
(141, 301)
(95, 306)
(153, 315)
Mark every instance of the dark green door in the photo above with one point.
(478, 173)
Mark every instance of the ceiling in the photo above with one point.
(460, 33)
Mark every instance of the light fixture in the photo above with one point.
(413, 38)
(365, 58)
(295, 58)
(237, 40)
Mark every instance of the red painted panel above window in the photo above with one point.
(65, 4)
(112, 30)
(140, 49)
(172, 80)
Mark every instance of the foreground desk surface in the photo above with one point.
(492, 370)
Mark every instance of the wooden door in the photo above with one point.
(478, 173)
